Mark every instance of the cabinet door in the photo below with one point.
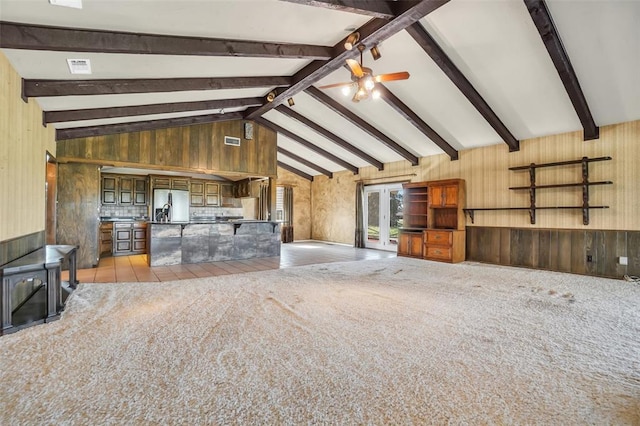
(139, 239)
(450, 196)
(140, 193)
(211, 194)
(415, 247)
(161, 183)
(125, 192)
(226, 195)
(436, 196)
(196, 193)
(109, 190)
(180, 183)
(403, 244)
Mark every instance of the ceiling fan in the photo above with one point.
(363, 80)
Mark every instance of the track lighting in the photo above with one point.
(352, 40)
(375, 53)
(271, 96)
(291, 102)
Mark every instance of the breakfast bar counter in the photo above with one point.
(199, 242)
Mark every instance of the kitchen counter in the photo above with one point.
(198, 242)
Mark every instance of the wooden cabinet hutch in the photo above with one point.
(433, 221)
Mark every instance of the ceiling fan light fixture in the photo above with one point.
(375, 94)
(375, 53)
(346, 90)
(351, 40)
(369, 83)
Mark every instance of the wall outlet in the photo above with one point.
(623, 260)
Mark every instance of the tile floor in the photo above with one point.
(135, 268)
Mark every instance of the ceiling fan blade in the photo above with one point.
(355, 67)
(329, 86)
(391, 77)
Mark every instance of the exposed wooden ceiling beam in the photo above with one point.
(127, 111)
(331, 136)
(429, 45)
(402, 109)
(37, 37)
(551, 39)
(139, 126)
(326, 154)
(36, 88)
(354, 119)
(373, 32)
(295, 171)
(305, 162)
(374, 8)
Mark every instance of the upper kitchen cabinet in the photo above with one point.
(124, 190)
(204, 194)
(198, 148)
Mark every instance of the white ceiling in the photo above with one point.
(494, 43)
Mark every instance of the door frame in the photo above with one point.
(384, 241)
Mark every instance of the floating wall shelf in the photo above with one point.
(532, 187)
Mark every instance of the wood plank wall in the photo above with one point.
(24, 143)
(198, 149)
(586, 252)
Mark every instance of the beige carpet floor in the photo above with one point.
(394, 341)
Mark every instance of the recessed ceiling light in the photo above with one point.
(79, 66)
(77, 4)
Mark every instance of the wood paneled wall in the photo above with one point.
(301, 203)
(24, 143)
(487, 176)
(587, 252)
(198, 148)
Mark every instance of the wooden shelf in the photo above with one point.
(532, 188)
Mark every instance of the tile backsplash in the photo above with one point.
(118, 211)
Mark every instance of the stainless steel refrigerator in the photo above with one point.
(171, 205)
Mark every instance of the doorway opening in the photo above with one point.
(383, 216)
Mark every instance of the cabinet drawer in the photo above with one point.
(437, 252)
(439, 237)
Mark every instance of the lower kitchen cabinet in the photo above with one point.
(106, 239)
(130, 238)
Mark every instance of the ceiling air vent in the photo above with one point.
(79, 66)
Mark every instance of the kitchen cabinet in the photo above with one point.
(410, 244)
(124, 190)
(168, 182)
(106, 239)
(129, 238)
(227, 196)
(211, 194)
(204, 194)
(243, 188)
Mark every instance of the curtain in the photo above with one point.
(359, 237)
(263, 202)
(287, 207)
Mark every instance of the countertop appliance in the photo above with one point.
(170, 205)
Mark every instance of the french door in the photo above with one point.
(382, 216)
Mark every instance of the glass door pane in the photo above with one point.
(373, 218)
(395, 215)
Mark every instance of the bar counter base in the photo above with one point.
(175, 244)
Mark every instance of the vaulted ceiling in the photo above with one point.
(481, 72)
